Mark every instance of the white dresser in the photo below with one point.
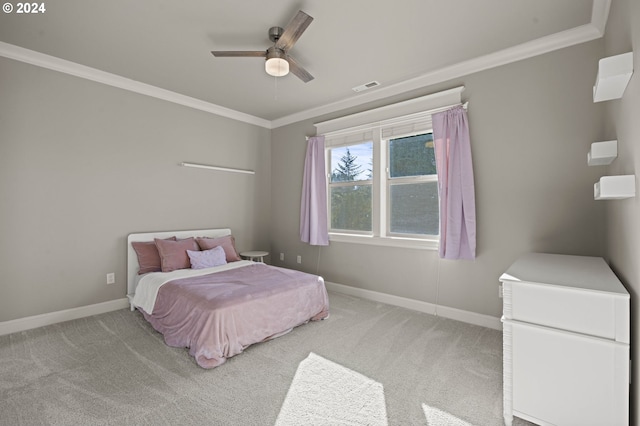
(565, 342)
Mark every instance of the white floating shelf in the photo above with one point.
(602, 153)
(615, 187)
(614, 74)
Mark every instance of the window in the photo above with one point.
(405, 204)
(382, 181)
(350, 188)
(413, 187)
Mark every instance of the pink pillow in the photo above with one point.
(228, 244)
(148, 256)
(207, 258)
(173, 254)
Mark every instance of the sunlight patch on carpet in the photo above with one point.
(436, 417)
(323, 392)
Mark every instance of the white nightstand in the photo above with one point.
(256, 256)
(130, 297)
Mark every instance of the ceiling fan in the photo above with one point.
(278, 61)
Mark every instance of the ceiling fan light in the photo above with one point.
(277, 67)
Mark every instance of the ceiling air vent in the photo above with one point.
(366, 86)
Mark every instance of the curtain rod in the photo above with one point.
(222, 169)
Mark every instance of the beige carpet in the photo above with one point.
(368, 364)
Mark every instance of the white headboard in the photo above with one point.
(132, 258)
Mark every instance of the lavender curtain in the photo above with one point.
(455, 184)
(313, 206)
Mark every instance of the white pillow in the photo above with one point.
(207, 258)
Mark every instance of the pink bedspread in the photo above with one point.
(218, 315)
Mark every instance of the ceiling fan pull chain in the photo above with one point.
(275, 88)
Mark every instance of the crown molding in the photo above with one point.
(72, 68)
(571, 37)
(582, 34)
(600, 14)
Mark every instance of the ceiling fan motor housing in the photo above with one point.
(274, 52)
(275, 33)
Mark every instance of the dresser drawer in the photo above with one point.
(593, 313)
(563, 378)
(579, 294)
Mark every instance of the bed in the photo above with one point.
(217, 310)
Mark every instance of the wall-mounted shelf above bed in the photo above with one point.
(615, 187)
(220, 169)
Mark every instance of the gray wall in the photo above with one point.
(82, 165)
(531, 125)
(623, 216)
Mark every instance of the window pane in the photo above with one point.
(412, 156)
(352, 163)
(351, 207)
(414, 209)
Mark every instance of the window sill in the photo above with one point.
(411, 243)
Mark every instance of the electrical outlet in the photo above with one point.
(111, 278)
(281, 256)
(299, 259)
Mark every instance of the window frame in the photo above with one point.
(405, 180)
(381, 183)
(380, 125)
(330, 185)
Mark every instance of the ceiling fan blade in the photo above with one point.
(239, 53)
(293, 30)
(298, 71)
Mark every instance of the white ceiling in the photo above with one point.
(402, 44)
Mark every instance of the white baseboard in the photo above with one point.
(417, 305)
(27, 323)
